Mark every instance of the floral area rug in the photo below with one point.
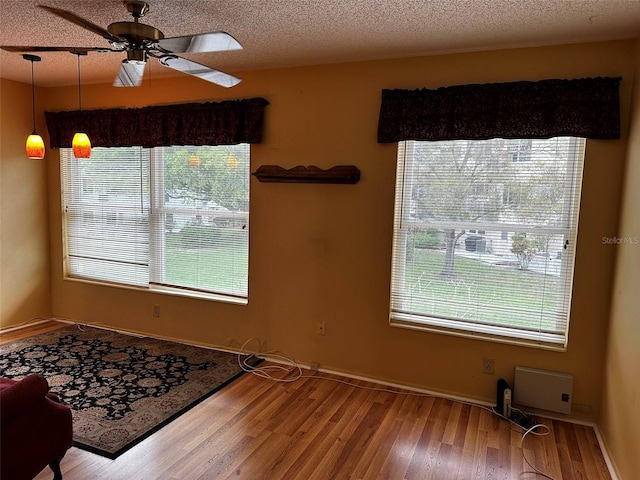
(122, 388)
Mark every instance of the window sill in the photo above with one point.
(544, 341)
(179, 292)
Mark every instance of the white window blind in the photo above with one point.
(105, 209)
(171, 218)
(484, 237)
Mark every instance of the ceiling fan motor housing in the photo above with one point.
(134, 32)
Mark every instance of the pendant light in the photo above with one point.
(81, 143)
(35, 145)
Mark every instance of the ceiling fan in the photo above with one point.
(142, 41)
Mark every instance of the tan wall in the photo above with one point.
(25, 286)
(323, 252)
(620, 422)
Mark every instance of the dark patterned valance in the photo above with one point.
(587, 107)
(225, 123)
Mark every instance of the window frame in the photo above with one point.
(474, 329)
(155, 213)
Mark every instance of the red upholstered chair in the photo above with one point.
(35, 429)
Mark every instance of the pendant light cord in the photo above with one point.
(33, 98)
(79, 90)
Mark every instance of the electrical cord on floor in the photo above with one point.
(531, 430)
(526, 426)
(522, 420)
(277, 372)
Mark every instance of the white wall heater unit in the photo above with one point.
(543, 389)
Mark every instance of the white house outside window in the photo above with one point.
(167, 218)
(484, 237)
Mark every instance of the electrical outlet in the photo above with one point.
(320, 328)
(156, 310)
(488, 365)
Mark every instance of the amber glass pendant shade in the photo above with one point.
(35, 147)
(81, 145)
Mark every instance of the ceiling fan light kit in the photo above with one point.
(34, 145)
(141, 41)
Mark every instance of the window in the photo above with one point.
(166, 218)
(493, 268)
(520, 150)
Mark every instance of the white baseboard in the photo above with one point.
(605, 454)
(400, 386)
(35, 321)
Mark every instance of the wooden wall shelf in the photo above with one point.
(310, 174)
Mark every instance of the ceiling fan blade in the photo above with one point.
(130, 74)
(92, 27)
(76, 50)
(204, 42)
(198, 70)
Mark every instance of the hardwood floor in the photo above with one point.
(316, 428)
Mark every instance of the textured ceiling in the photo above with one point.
(282, 33)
